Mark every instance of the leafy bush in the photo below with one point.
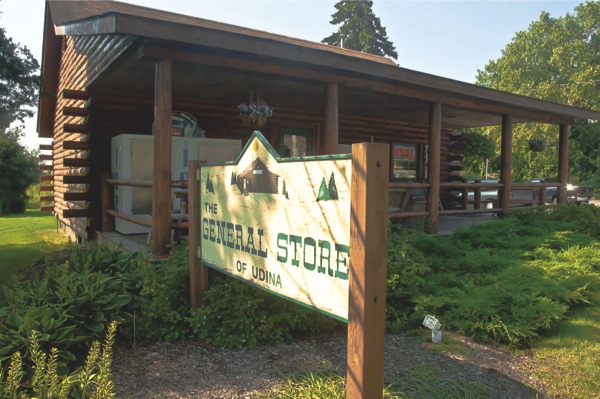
(504, 281)
(18, 169)
(93, 380)
(70, 306)
(238, 314)
(163, 298)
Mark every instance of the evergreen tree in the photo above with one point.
(362, 30)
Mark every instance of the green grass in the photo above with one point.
(419, 382)
(322, 385)
(568, 359)
(24, 239)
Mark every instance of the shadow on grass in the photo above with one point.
(30, 213)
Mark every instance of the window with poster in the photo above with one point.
(405, 161)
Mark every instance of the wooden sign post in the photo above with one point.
(198, 273)
(368, 268)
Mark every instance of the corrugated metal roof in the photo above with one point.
(70, 11)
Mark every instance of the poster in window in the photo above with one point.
(405, 158)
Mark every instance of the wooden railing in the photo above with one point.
(108, 213)
(399, 191)
(400, 198)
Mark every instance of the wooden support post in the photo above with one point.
(563, 163)
(506, 163)
(330, 136)
(198, 273)
(161, 189)
(368, 257)
(433, 178)
(106, 203)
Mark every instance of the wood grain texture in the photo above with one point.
(505, 164)
(161, 190)
(368, 267)
(198, 272)
(563, 162)
(434, 167)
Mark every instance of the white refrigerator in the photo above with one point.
(133, 159)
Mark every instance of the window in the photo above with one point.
(405, 161)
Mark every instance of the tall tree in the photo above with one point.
(555, 59)
(18, 169)
(19, 87)
(19, 82)
(361, 29)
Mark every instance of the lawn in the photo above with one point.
(24, 239)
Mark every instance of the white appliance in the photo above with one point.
(133, 159)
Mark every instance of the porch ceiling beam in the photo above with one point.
(517, 107)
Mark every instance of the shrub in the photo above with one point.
(238, 314)
(163, 298)
(70, 306)
(18, 169)
(506, 281)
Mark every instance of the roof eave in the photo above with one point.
(239, 42)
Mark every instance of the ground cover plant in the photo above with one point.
(507, 281)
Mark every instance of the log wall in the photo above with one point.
(75, 169)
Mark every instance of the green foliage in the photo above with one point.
(324, 384)
(505, 281)
(477, 147)
(405, 278)
(163, 298)
(427, 382)
(555, 59)
(474, 145)
(584, 153)
(238, 314)
(361, 28)
(18, 169)
(93, 380)
(19, 84)
(70, 306)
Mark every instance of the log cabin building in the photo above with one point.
(112, 68)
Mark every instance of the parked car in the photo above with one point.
(575, 194)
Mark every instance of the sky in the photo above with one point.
(449, 38)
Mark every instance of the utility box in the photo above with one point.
(133, 159)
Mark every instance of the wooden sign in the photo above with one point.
(289, 226)
(282, 224)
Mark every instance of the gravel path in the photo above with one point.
(193, 370)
